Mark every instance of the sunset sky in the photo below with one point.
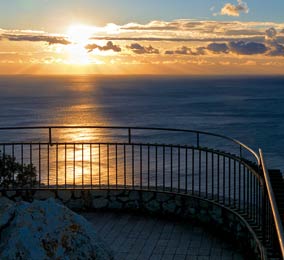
(142, 37)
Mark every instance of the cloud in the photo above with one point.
(186, 30)
(247, 48)
(109, 46)
(200, 51)
(37, 38)
(218, 47)
(271, 33)
(246, 32)
(180, 51)
(177, 39)
(153, 26)
(235, 10)
(237, 47)
(187, 51)
(139, 49)
(276, 49)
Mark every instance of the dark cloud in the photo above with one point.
(235, 10)
(37, 38)
(180, 51)
(276, 49)
(139, 49)
(247, 48)
(187, 51)
(109, 46)
(218, 47)
(239, 47)
(271, 33)
(200, 51)
(274, 43)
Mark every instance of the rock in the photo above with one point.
(10, 193)
(76, 204)
(169, 207)
(100, 203)
(153, 206)
(134, 195)
(134, 204)
(64, 195)
(46, 230)
(7, 211)
(43, 194)
(162, 197)
(114, 193)
(123, 199)
(115, 205)
(192, 211)
(99, 193)
(147, 196)
(77, 194)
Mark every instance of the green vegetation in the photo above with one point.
(14, 174)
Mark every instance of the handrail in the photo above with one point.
(275, 212)
(198, 133)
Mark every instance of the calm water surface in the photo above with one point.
(249, 109)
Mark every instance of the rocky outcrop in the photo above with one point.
(46, 230)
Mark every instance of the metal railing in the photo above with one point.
(142, 158)
(272, 215)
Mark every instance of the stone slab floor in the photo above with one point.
(135, 237)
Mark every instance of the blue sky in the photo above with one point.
(47, 14)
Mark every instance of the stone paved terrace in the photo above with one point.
(136, 237)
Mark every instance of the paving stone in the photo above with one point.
(133, 237)
(168, 257)
(156, 257)
(159, 249)
(179, 257)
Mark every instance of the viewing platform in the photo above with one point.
(200, 178)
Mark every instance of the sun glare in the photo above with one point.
(79, 35)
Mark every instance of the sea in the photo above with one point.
(248, 108)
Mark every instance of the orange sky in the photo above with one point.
(159, 47)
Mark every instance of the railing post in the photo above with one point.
(263, 214)
(50, 137)
(197, 139)
(129, 135)
(241, 152)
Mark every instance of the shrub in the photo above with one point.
(16, 175)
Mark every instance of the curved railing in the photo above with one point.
(273, 210)
(130, 130)
(144, 158)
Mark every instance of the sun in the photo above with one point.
(79, 36)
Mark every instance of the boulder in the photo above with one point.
(47, 230)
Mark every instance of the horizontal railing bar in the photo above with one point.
(233, 156)
(274, 208)
(139, 128)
